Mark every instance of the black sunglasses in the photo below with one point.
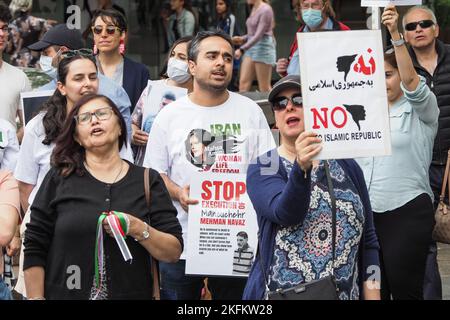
(424, 24)
(109, 29)
(280, 103)
(82, 52)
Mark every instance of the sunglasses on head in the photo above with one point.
(109, 29)
(81, 52)
(424, 24)
(280, 103)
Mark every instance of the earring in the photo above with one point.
(122, 47)
(95, 51)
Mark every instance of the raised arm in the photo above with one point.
(408, 74)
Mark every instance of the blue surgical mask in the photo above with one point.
(46, 66)
(312, 17)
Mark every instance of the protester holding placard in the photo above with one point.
(292, 199)
(77, 76)
(88, 183)
(431, 58)
(233, 131)
(314, 15)
(177, 76)
(398, 185)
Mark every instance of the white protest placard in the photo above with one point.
(160, 95)
(32, 101)
(223, 228)
(384, 3)
(344, 92)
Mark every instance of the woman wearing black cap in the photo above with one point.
(292, 195)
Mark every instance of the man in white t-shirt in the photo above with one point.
(13, 81)
(211, 130)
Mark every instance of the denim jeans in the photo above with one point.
(176, 285)
(5, 293)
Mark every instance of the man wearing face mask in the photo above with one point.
(314, 15)
(61, 39)
(176, 75)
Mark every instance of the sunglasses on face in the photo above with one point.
(109, 29)
(81, 52)
(101, 114)
(280, 103)
(424, 24)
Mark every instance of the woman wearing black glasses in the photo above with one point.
(77, 76)
(292, 198)
(399, 188)
(90, 190)
(109, 28)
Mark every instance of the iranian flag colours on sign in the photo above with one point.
(344, 92)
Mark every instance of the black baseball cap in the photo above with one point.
(59, 35)
(291, 81)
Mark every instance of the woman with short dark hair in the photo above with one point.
(109, 29)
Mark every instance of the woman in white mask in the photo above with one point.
(314, 15)
(175, 74)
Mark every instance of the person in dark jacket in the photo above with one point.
(109, 28)
(87, 183)
(314, 15)
(291, 197)
(431, 58)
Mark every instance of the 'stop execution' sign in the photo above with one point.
(384, 3)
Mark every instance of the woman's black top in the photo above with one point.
(61, 235)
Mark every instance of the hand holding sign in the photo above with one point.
(183, 197)
(390, 19)
(307, 146)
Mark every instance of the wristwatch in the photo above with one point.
(145, 234)
(399, 42)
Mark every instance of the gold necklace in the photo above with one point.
(117, 177)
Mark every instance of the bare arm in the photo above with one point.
(372, 290)
(177, 193)
(162, 246)
(408, 74)
(25, 190)
(34, 283)
(9, 218)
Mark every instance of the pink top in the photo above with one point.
(9, 196)
(259, 24)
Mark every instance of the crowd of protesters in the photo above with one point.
(76, 169)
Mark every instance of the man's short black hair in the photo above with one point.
(202, 35)
(5, 14)
(242, 234)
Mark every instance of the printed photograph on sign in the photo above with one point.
(32, 102)
(222, 236)
(344, 92)
(160, 95)
(384, 3)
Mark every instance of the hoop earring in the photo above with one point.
(122, 47)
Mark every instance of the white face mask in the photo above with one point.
(46, 66)
(177, 70)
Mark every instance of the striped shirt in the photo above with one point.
(242, 262)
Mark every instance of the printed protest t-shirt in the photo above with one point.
(187, 138)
